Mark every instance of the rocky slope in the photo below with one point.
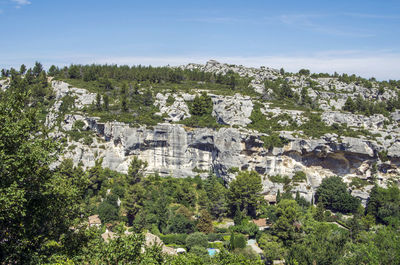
(173, 149)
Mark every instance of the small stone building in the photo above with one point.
(94, 220)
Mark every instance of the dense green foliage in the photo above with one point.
(45, 206)
(367, 107)
(334, 195)
(201, 109)
(384, 205)
(38, 205)
(244, 192)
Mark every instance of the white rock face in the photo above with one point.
(173, 149)
(232, 110)
(62, 89)
(177, 111)
(373, 122)
(169, 149)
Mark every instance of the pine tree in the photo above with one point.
(106, 102)
(22, 69)
(98, 101)
(205, 222)
(319, 214)
(278, 196)
(349, 105)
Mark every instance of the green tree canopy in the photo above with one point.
(245, 191)
(334, 195)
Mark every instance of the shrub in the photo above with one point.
(78, 125)
(238, 241)
(196, 239)
(299, 176)
(170, 100)
(178, 239)
(273, 140)
(215, 237)
(108, 211)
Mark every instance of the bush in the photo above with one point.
(199, 251)
(196, 239)
(108, 212)
(238, 241)
(170, 100)
(217, 245)
(215, 237)
(78, 125)
(279, 179)
(221, 230)
(178, 239)
(180, 224)
(273, 140)
(299, 176)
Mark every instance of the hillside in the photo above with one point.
(232, 165)
(266, 120)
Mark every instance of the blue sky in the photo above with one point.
(361, 37)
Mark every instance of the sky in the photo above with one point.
(352, 36)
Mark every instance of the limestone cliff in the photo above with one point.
(179, 151)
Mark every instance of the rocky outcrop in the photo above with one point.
(173, 149)
(232, 110)
(61, 89)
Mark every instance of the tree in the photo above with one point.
(135, 197)
(53, 70)
(98, 101)
(37, 69)
(304, 72)
(22, 69)
(136, 170)
(106, 102)
(237, 241)
(216, 193)
(288, 213)
(179, 223)
(245, 191)
(383, 204)
(124, 104)
(108, 211)
(205, 222)
(334, 195)
(74, 72)
(201, 105)
(124, 88)
(324, 243)
(38, 204)
(147, 98)
(106, 84)
(349, 105)
(136, 194)
(319, 214)
(273, 249)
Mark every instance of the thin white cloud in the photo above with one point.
(308, 22)
(371, 16)
(21, 3)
